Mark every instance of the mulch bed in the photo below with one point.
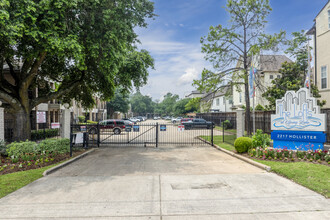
(6, 165)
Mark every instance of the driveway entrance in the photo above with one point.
(168, 183)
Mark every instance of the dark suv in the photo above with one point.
(117, 126)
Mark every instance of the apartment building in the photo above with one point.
(268, 67)
(321, 36)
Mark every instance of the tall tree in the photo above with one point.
(141, 104)
(179, 107)
(120, 103)
(165, 107)
(229, 48)
(85, 46)
(293, 74)
(193, 105)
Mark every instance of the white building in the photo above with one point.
(195, 94)
(321, 32)
(219, 101)
(268, 67)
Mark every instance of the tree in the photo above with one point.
(119, 103)
(141, 104)
(193, 105)
(229, 49)
(179, 107)
(293, 74)
(87, 47)
(166, 106)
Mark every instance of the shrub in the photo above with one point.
(260, 139)
(259, 108)
(226, 124)
(23, 150)
(57, 146)
(43, 134)
(242, 144)
(81, 119)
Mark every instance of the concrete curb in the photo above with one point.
(262, 166)
(53, 169)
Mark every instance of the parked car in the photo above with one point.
(115, 125)
(134, 120)
(197, 123)
(186, 119)
(176, 120)
(128, 122)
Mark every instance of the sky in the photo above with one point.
(173, 37)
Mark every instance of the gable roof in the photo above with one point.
(221, 92)
(321, 10)
(272, 62)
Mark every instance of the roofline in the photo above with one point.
(321, 10)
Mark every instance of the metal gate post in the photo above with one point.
(156, 134)
(212, 134)
(98, 134)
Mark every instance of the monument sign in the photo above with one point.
(298, 124)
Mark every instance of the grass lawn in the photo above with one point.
(225, 145)
(14, 181)
(313, 176)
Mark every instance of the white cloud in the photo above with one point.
(189, 76)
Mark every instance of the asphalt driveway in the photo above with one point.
(166, 183)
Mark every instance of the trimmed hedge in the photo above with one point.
(43, 134)
(242, 144)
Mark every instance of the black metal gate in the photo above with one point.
(141, 134)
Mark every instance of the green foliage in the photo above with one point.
(179, 107)
(259, 108)
(58, 146)
(193, 105)
(120, 103)
(141, 104)
(230, 46)
(28, 150)
(226, 124)
(23, 150)
(293, 74)
(242, 144)
(81, 119)
(260, 139)
(167, 105)
(43, 134)
(88, 47)
(91, 122)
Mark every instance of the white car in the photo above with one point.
(176, 120)
(134, 120)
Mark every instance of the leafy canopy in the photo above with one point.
(86, 47)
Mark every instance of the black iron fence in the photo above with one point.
(48, 127)
(142, 134)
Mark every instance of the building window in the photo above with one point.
(324, 77)
(271, 77)
(240, 97)
(217, 102)
(278, 76)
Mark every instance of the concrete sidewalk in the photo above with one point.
(168, 183)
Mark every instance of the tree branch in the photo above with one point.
(9, 99)
(34, 69)
(12, 71)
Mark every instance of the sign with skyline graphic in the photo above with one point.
(297, 111)
(298, 123)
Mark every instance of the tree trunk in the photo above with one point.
(247, 101)
(22, 126)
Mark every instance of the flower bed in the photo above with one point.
(316, 156)
(20, 156)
